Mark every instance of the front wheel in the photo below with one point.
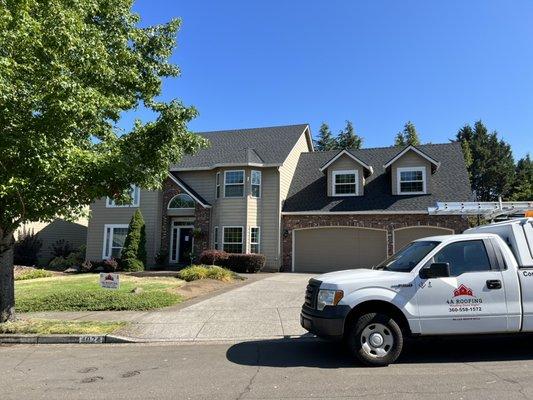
(375, 339)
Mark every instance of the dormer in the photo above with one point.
(411, 170)
(346, 175)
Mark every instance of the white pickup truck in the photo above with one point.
(478, 282)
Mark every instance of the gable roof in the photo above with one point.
(189, 190)
(347, 153)
(308, 190)
(260, 147)
(422, 154)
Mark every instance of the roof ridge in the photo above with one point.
(252, 129)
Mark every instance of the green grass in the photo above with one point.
(33, 274)
(83, 293)
(195, 272)
(50, 327)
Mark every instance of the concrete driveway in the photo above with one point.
(265, 309)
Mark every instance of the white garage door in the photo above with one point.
(336, 248)
(404, 236)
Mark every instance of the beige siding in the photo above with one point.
(410, 159)
(289, 166)
(203, 182)
(270, 218)
(404, 236)
(100, 215)
(345, 163)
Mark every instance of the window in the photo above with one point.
(134, 194)
(232, 240)
(255, 237)
(411, 180)
(233, 183)
(181, 201)
(217, 191)
(256, 183)
(114, 237)
(465, 256)
(345, 183)
(215, 239)
(408, 257)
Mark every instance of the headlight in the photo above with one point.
(328, 298)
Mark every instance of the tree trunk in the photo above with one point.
(7, 279)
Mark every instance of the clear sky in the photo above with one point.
(440, 64)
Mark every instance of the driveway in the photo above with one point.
(265, 309)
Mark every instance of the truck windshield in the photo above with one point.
(407, 258)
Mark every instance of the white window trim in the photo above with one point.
(215, 238)
(258, 243)
(235, 184)
(184, 208)
(399, 171)
(217, 185)
(242, 242)
(260, 184)
(112, 227)
(109, 203)
(344, 172)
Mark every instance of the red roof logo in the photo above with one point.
(463, 291)
(109, 278)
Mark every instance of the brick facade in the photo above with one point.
(378, 221)
(201, 220)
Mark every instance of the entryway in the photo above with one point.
(181, 241)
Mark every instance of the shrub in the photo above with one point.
(27, 249)
(245, 262)
(74, 259)
(161, 257)
(134, 251)
(33, 274)
(213, 257)
(61, 248)
(196, 272)
(86, 266)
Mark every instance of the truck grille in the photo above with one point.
(311, 293)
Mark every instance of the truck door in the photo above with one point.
(471, 300)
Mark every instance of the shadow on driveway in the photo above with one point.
(322, 354)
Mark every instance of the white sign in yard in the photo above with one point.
(109, 280)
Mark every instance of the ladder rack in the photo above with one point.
(487, 209)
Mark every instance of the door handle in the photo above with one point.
(494, 284)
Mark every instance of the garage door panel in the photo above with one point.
(336, 248)
(404, 236)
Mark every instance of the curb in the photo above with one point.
(62, 339)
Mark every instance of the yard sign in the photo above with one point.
(109, 280)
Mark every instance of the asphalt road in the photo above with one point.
(431, 369)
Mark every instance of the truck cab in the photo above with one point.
(479, 282)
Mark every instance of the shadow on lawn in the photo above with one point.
(321, 354)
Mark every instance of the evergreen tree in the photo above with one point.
(348, 139)
(325, 140)
(409, 136)
(523, 183)
(491, 166)
(399, 140)
(133, 256)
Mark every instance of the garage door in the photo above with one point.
(335, 248)
(404, 236)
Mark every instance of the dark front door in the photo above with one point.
(185, 247)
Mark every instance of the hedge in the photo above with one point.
(234, 261)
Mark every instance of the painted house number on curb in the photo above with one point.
(91, 339)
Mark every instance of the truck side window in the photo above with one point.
(465, 256)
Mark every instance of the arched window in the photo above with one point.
(181, 201)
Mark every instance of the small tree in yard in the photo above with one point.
(68, 70)
(133, 256)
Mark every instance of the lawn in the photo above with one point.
(83, 293)
(49, 327)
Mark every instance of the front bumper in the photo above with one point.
(328, 323)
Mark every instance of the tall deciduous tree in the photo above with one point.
(408, 136)
(523, 183)
(68, 69)
(325, 140)
(348, 139)
(491, 161)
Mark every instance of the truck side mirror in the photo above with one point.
(435, 270)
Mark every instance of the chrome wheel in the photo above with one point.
(376, 340)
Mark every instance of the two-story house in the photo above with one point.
(265, 190)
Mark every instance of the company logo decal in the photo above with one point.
(464, 301)
(463, 291)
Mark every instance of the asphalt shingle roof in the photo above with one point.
(308, 191)
(269, 145)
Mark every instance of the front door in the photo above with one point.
(185, 245)
(471, 300)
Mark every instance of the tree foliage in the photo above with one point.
(523, 184)
(325, 140)
(348, 139)
(408, 136)
(489, 160)
(133, 256)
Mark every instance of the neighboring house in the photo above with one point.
(265, 190)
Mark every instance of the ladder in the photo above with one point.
(486, 209)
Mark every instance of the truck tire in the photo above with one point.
(375, 339)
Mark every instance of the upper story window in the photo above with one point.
(217, 184)
(345, 183)
(181, 201)
(234, 183)
(256, 183)
(134, 195)
(411, 180)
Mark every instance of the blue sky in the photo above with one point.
(440, 64)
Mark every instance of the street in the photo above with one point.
(472, 368)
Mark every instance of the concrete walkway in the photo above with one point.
(267, 308)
